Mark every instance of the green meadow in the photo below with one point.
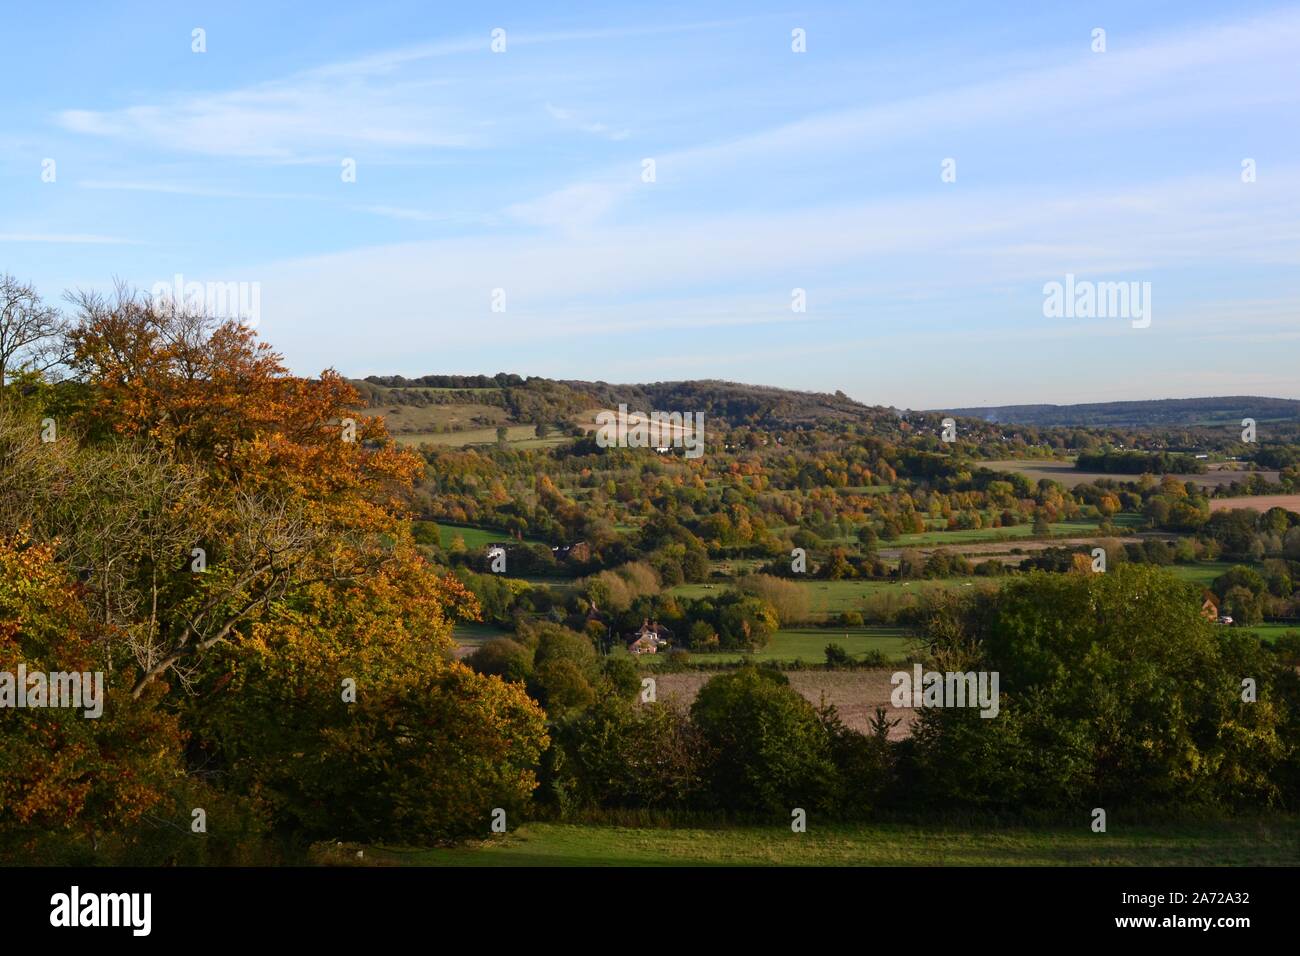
(1059, 529)
(808, 644)
(475, 537)
(1273, 841)
(832, 597)
(1203, 573)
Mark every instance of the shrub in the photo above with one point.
(504, 658)
(837, 656)
(771, 752)
(619, 755)
(1114, 692)
(622, 676)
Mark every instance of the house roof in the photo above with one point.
(655, 629)
(650, 632)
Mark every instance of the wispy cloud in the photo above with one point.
(210, 192)
(378, 101)
(570, 119)
(397, 212)
(71, 238)
(1157, 77)
(189, 189)
(922, 264)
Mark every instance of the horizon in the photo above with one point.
(782, 179)
(825, 391)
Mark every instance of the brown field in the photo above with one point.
(1220, 473)
(855, 694)
(1260, 503)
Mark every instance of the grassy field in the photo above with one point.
(475, 537)
(809, 644)
(1271, 842)
(517, 436)
(1060, 529)
(1063, 471)
(1203, 573)
(1271, 632)
(421, 418)
(832, 597)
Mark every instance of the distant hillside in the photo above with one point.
(1186, 412)
(734, 403)
(472, 409)
(531, 399)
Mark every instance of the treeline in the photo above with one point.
(499, 380)
(537, 401)
(377, 396)
(1071, 652)
(1139, 463)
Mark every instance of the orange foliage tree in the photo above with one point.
(311, 580)
(60, 770)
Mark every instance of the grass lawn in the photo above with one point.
(1203, 573)
(475, 537)
(1273, 841)
(1268, 633)
(809, 643)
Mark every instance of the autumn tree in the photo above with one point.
(297, 487)
(61, 771)
(235, 537)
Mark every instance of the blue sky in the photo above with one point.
(774, 170)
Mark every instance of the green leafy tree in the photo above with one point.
(1113, 689)
(771, 752)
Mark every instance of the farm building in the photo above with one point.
(649, 638)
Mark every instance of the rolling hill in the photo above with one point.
(1186, 412)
